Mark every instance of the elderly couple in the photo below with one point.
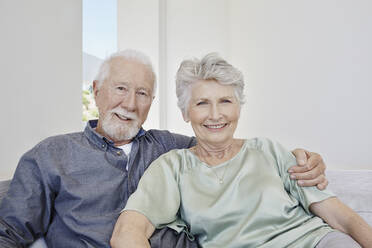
(209, 191)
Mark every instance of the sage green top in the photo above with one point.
(257, 205)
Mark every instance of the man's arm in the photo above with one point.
(344, 219)
(182, 141)
(25, 210)
(132, 230)
(309, 170)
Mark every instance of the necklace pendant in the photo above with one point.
(220, 181)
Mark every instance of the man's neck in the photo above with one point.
(121, 143)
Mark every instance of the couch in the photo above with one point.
(353, 187)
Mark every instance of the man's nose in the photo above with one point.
(129, 102)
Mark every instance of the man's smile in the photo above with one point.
(122, 117)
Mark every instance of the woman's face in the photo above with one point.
(213, 112)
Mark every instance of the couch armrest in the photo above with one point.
(354, 188)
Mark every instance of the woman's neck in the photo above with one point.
(217, 154)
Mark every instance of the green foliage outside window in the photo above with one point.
(90, 110)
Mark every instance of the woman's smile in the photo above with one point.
(215, 127)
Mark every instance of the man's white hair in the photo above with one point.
(128, 54)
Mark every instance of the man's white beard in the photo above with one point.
(116, 129)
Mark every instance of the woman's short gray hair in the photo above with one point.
(128, 54)
(210, 67)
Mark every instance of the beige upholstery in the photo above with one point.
(354, 188)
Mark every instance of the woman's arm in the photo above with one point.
(344, 219)
(155, 202)
(132, 230)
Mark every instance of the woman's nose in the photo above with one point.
(214, 113)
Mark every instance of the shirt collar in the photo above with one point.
(100, 140)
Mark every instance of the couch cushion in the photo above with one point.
(4, 186)
(40, 243)
(354, 188)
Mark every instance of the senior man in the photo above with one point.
(71, 188)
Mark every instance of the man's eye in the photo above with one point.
(226, 101)
(201, 103)
(120, 88)
(142, 93)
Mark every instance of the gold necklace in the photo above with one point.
(220, 179)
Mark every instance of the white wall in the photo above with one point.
(41, 70)
(308, 75)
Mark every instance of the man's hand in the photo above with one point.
(309, 170)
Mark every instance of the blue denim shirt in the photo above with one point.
(71, 188)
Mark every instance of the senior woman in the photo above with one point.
(231, 192)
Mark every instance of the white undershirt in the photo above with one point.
(126, 149)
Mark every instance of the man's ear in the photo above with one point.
(95, 88)
(185, 118)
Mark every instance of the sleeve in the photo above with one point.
(305, 195)
(172, 141)
(182, 141)
(157, 195)
(25, 211)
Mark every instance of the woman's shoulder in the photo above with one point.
(267, 146)
(259, 143)
(174, 153)
(173, 159)
(270, 148)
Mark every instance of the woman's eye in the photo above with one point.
(120, 88)
(226, 101)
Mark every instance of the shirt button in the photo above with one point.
(103, 146)
(118, 153)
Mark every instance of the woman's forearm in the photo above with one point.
(360, 230)
(341, 217)
(132, 230)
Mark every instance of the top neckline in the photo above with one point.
(221, 164)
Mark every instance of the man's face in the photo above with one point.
(124, 100)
